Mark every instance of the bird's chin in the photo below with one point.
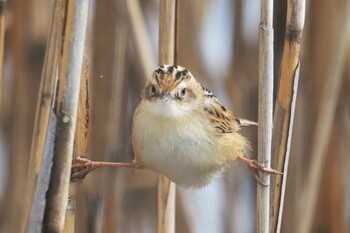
(166, 107)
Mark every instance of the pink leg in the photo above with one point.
(82, 166)
(253, 164)
(256, 166)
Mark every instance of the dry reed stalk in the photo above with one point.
(21, 99)
(3, 5)
(115, 131)
(90, 196)
(36, 217)
(167, 21)
(239, 44)
(265, 111)
(167, 53)
(66, 111)
(336, 179)
(142, 40)
(330, 70)
(285, 106)
(80, 143)
(44, 104)
(341, 170)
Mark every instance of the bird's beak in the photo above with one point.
(165, 95)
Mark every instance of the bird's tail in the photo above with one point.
(244, 122)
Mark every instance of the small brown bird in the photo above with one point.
(181, 130)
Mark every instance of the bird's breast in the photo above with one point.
(180, 148)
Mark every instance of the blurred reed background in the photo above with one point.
(218, 42)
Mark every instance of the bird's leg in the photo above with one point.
(82, 166)
(255, 166)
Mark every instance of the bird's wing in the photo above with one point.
(222, 119)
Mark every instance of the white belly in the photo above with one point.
(179, 148)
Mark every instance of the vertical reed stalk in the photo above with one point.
(80, 143)
(36, 217)
(116, 130)
(142, 40)
(167, 43)
(3, 4)
(44, 104)
(265, 111)
(330, 70)
(285, 105)
(66, 111)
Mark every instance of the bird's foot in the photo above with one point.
(82, 166)
(256, 166)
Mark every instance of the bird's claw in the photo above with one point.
(256, 166)
(80, 168)
(261, 167)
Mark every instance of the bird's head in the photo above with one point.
(172, 90)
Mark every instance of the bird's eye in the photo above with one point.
(153, 89)
(183, 91)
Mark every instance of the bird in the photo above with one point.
(181, 130)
